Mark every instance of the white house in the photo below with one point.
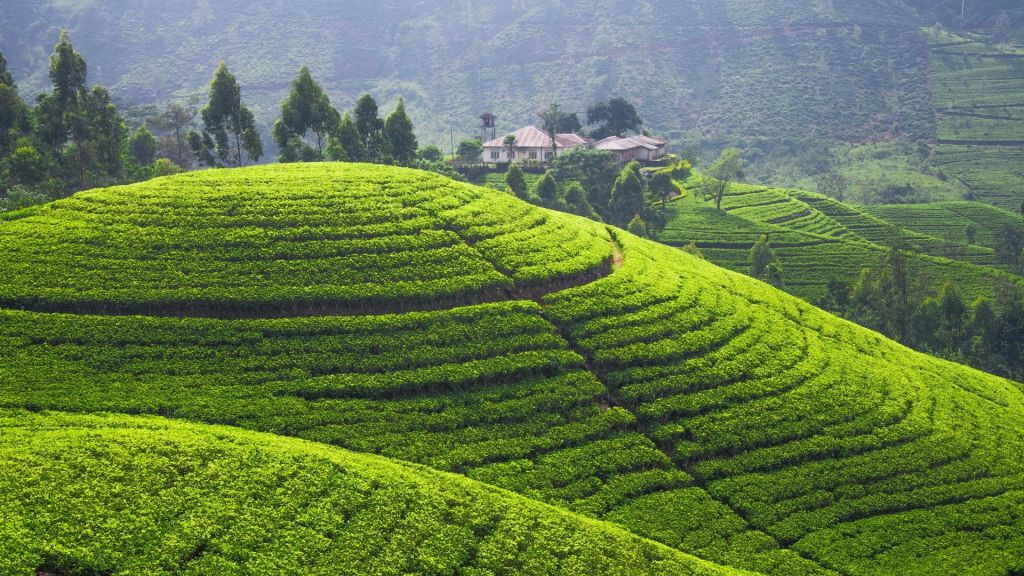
(532, 145)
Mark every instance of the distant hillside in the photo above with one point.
(398, 313)
(785, 80)
(844, 70)
(818, 239)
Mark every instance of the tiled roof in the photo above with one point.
(571, 140)
(616, 143)
(533, 137)
(526, 137)
(656, 142)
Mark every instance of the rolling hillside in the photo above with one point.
(127, 495)
(818, 239)
(549, 355)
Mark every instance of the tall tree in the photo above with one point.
(551, 119)
(516, 182)
(5, 77)
(142, 146)
(399, 136)
(306, 111)
(761, 255)
(627, 196)
(14, 113)
(547, 190)
(345, 144)
(726, 168)
(509, 143)
(613, 118)
(61, 113)
(228, 123)
(178, 119)
(107, 132)
(370, 127)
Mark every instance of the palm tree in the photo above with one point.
(550, 118)
(509, 143)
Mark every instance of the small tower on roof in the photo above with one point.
(488, 127)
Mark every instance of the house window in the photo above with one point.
(533, 155)
(548, 155)
(495, 154)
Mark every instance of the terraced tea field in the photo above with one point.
(817, 239)
(952, 220)
(645, 408)
(979, 96)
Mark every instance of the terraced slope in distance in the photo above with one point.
(128, 495)
(979, 97)
(952, 220)
(818, 239)
(691, 405)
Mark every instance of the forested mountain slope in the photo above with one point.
(543, 353)
(839, 70)
(794, 82)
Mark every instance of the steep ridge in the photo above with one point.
(691, 405)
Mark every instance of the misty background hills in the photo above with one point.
(769, 76)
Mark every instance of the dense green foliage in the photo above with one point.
(229, 136)
(839, 256)
(688, 404)
(114, 494)
(341, 239)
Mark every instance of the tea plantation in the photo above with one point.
(817, 239)
(406, 327)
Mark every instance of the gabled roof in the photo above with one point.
(615, 143)
(656, 142)
(571, 140)
(533, 137)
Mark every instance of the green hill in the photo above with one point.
(952, 220)
(568, 362)
(128, 495)
(818, 239)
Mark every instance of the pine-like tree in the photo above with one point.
(761, 255)
(306, 111)
(547, 190)
(142, 146)
(627, 196)
(370, 128)
(228, 125)
(346, 145)
(399, 136)
(516, 182)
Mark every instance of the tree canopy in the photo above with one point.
(306, 111)
(399, 137)
(229, 126)
(613, 118)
